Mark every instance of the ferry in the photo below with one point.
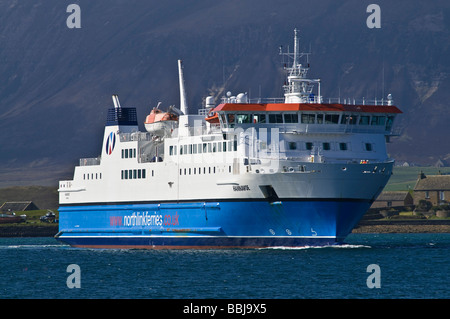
(300, 170)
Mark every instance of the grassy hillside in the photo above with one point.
(44, 197)
(404, 178)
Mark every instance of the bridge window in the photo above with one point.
(230, 120)
(319, 118)
(309, 146)
(364, 120)
(331, 118)
(308, 118)
(275, 118)
(290, 118)
(259, 118)
(378, 120)
(390, 121)
(326, 146)
(243, 118)
(351, 119)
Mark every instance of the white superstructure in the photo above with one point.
(299, 148)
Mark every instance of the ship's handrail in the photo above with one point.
(90, 161)
(317, 158)
(266, 100)
(314, 99)
(135, 136)
(396, 131)
(363, 101)
(338, 128)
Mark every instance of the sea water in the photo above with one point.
(407, 266)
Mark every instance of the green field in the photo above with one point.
(405, 178)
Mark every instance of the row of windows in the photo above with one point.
(211, 147)
(441, 195)
(307, 118)
(201, 170)
(326, 146)
(129, 153)
(134, 173)
(90, 176)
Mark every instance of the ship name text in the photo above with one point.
(241, 188)
(144, 219)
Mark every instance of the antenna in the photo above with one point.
(299, 89)
(382, 81)
(295, 48)
(183, 103)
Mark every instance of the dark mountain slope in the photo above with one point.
(56, 83)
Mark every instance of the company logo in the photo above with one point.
(110, 143)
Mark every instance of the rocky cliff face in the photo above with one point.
(56, 82)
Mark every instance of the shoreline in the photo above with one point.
(28, 231)
(401, 229)
(365, 226)
(403, 226)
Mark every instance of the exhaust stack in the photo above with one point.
(116, 102)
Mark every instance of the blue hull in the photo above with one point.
(221, 224)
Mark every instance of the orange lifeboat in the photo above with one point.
(212, 118)
(160, 123)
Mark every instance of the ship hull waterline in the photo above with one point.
(211, 225)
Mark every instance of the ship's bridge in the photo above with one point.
(308, 117)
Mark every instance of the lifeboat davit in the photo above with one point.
(161, 123)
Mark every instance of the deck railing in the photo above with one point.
(316, 100)
(90, 161)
